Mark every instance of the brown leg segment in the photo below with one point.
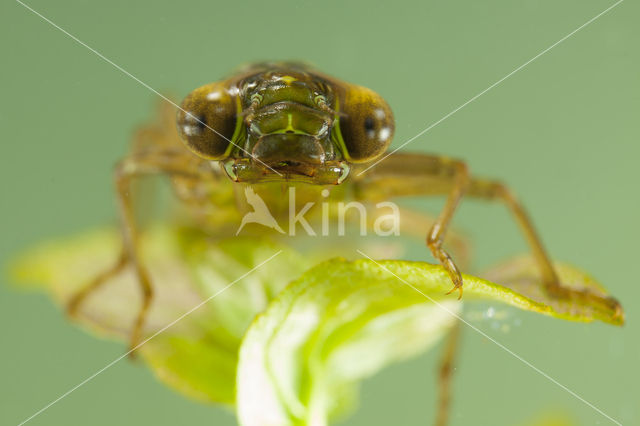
(80, 296)
(420, 174)
(129, 169)
(491, 190)
(435, 238)
(445, 375)
(123, 178)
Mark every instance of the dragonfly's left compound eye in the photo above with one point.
(366, 125)
(207, 121)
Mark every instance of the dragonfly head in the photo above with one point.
(285, 123)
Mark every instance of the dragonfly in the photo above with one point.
(281, 124)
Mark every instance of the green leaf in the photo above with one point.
(588, 300)
(314, 339)
(343, 321)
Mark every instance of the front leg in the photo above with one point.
(420, 174)
(129, 169)
(458, 174)
(402, 174)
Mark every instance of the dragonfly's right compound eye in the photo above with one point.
(366, 124)
(207, 121)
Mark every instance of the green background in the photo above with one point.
(563, 132)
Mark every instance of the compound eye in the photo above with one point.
(207, 121)
(366, 126)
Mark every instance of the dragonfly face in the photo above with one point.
(284, 121)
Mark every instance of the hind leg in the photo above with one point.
(78, 298)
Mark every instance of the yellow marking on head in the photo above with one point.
(289, 123)
(288, 79)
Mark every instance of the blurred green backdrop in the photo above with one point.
(563, 132)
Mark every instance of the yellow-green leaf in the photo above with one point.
(301, 359)
(343, 321)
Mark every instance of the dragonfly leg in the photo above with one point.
(156, 149)
(459, 176)
(131, 168)
(445, 375)
(428, 175)
(78, 298)
(493, 190)
(125, 173)
(403, 174)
